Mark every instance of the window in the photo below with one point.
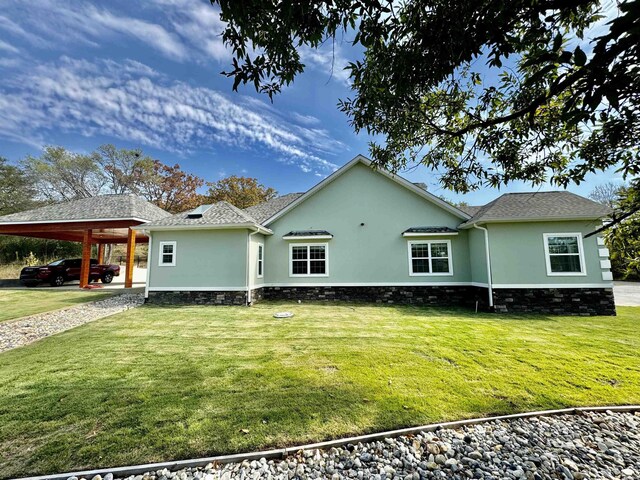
(260, 260)
(563, 253)
(167, 254)
(309, 260)
(430, 258)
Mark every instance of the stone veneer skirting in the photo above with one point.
(420, 295)
(556, 301)
(198, 298)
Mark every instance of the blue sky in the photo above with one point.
(147, 75)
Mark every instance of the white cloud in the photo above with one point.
(130, 101)
(182, 30)
(199, 24)
(12, 27)
(7, 47)
(305, 119)
(179, 29)
(329, 59)
(152, 34)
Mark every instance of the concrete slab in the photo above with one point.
(627, 294)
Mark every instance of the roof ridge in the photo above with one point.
(536, 193)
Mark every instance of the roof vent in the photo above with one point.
(199, 211)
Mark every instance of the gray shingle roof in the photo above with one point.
(221, 213)
(538, 206)
(430, 230)
(307, 233)
(92, 208)
(268, 209)
(470, 209)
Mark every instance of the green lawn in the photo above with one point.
(158, 383)
(20, 303)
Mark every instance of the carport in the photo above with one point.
(101, 220)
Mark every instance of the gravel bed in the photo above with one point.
(568, 447)
(29, 329)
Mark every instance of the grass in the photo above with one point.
(11, 270)
(161, 383)
(20, 303)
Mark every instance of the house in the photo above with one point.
(365, 234)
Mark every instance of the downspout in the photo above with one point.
(486, 248)
(248, 282)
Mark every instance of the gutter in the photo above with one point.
(486, 248)
(225, 226)
(249, 235)
(465, 226)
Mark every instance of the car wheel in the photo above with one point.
(107, 277)
(57, 281)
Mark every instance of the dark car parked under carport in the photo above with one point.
(66, 269)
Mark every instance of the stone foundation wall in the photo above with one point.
(257, 294)
(198, 298)
(419, 295)
(555, 301)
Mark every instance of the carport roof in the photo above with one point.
(100, 208)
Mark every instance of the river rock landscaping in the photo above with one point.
(17, 333)
(579, 446)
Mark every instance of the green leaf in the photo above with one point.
(612, 98)
(579, 57)
(557, 42)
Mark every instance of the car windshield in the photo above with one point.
(56, 263)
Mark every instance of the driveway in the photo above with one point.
(627, 293)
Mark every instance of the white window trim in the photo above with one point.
(260, 261)
(173, 256)
(326, 259)
(547, 255)
(437, 274)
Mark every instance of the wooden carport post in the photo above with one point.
(85, 267)
(100, 253)
(131, 248)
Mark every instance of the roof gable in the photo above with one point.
(268, 209)
(359, 159)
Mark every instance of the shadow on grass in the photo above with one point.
(159, 383)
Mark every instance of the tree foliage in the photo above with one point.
(623, 238)
(242, 192)
(483, 92)
(121, 167)
(63, 175)
(17, 191)
(606, 193)
(169, 187)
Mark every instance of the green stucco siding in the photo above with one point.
(478, 256)
(256, 240)
(371, 253)
(518, 255)
(204, 259)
